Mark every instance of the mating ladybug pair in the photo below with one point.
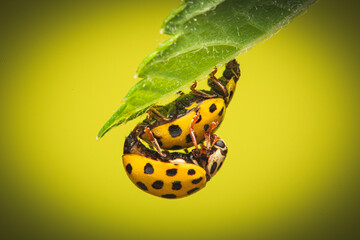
(181, 124)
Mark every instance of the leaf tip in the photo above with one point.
(100, 134)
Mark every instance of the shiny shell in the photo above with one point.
(175, 135)
(164, 179)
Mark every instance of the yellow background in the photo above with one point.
(292, 128)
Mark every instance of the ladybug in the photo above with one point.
(175, 174)
(183, 122)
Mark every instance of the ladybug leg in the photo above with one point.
(209, 135)
(200, 93)
(195, 157)
(151, 147)
(214, 140)
(152, 111)
(214, 71)
(203, 157)
(192, 132)
(216, 81)
(153, 141)
(149, 114)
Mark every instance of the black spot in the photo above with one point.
(231, 95)
(223, 152)
(192, 190)
(176, 147)
(158, 184)
(128, 168)
(142, 186)
(176, 185)
(169, 196)
(171, 172)
(148, 169)
(188, 138)
(212, 108)
(191, 172)
(221, 112)
(175, 130)
(199, 119)
(196, 181)
(213, 168)
(206, 127)
(220, 143)
(220, 166)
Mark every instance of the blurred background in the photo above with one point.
(292, 171)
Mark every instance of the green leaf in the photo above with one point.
(204, 34)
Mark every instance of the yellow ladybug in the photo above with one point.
(183, 122)
(175, 174)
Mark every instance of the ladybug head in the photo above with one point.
(215, 158)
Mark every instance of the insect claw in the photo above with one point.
(153, 141)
